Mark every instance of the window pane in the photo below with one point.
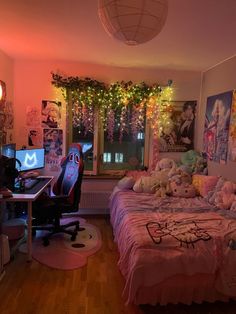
(86, 142)
(129, 154)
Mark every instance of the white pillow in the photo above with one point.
(145, 185)
(126, 183)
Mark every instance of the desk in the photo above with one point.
(29, 199)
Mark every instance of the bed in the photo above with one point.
(173, 250)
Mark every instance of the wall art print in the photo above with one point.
(232, 130)
(216, 130)
(51, 114)
(35, 137)
(53, 145)
(33, 116)
(177, 134)
(9, 115)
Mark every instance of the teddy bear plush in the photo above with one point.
(179, 176)
(163, 167)
(162, 189)
(226, 196)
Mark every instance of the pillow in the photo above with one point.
(211, 196)
(146, 185)
(204, 184)
(126, 183)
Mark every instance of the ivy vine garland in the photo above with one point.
(122, 105)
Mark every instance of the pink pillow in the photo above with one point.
(204, 184)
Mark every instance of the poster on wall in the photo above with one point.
(35, 137)
(53, 145)
(51, 114)
(177, 133)
(9, 136)
(33, 116)
(216, 130)
(232, 130)
(9, 115)
(3, 137)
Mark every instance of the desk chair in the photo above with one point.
(67, 190)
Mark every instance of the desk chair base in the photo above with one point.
(57, 228)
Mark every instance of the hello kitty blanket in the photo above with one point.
(158, 243)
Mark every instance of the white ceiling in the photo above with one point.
(198, 34)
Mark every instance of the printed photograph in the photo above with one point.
(51, 114)
(177, 133)
(216, 130)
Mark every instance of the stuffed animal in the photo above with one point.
(226, 196)
(162, 189)
(200, 166)
(165, 163)
(179, 176)
(182, 190)
(189, 158)
(163, 167)
(146, 185)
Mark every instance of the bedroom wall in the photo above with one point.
(216, 80)
(7, 76)
(33, 83)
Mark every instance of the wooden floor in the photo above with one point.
(93, 289)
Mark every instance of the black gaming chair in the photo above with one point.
(67, 190)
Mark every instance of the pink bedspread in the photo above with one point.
(160, 238)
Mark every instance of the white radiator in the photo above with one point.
(95, 202)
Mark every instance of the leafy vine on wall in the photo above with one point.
(122, 106)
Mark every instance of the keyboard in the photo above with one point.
(29, 183)
(35, 186)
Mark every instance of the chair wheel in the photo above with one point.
(73, 237)
(45, 242)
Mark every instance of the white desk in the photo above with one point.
(29, 199)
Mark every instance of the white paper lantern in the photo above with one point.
(133, 21)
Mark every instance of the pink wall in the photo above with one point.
(219, 79)
(33, 83)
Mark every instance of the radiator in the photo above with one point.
(95, 202)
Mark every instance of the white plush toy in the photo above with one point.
(163, 168)
(165, 163)
(146, 185)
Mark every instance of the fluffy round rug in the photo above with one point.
(62, 253)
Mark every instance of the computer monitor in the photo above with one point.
(8, 150)
(30, 159)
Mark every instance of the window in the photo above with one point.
(101, 155)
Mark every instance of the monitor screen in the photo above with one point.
(30, 159)
(8, 150)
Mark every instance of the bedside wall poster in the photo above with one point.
(178, 133)
(232, 130)
(216, 130)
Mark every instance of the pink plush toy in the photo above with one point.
(182, 190)
(226, 196)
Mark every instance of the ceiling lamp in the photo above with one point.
(133, 21)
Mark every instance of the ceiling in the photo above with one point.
(197, 35)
